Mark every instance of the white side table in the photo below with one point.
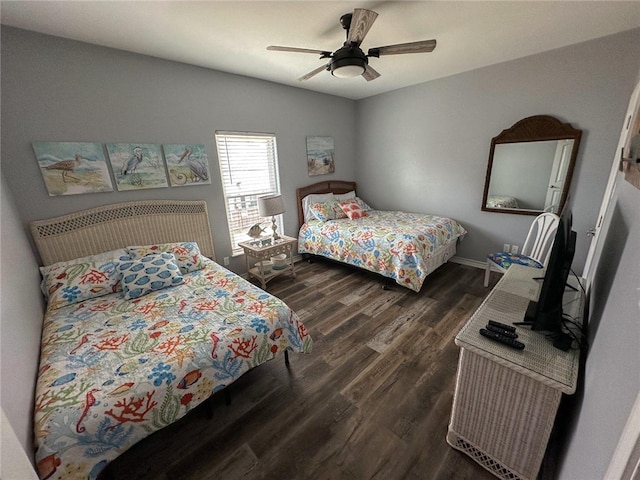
(257, 251)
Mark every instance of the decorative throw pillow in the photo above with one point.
(66, 283)
(327, 211)
(363, 204)
(149, 274)
(353, 209)
(187, 254)
(310, 200)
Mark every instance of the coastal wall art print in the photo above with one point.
(320, 160)
(137, 165)
(187, 164)
(70, 168)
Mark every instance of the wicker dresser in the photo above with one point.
(506, 400)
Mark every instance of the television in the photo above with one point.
(546, 314)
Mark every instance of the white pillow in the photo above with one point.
(341, 197)
(310, 200)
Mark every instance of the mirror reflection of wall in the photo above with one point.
(522, 171)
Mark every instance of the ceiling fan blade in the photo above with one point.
(313, 73)
(361, 22)
(298, 50)
(411, 47)
(370, 74)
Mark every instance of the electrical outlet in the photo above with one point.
(515, 249)
(506, 247)
(226, 261)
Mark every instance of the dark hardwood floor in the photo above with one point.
(372, 401)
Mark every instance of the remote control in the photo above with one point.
(501, 331)
(509, 342)
(509, 328)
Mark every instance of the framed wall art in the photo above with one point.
(187, 164)
(72, 167)
(320, 160)
(137, 165)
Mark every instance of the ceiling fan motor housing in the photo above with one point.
(348, 61)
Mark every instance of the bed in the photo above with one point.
(406, 247)
(502, 201)
(141, 326)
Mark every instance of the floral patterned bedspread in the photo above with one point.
(397, 245)
(113, 371)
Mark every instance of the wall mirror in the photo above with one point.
(530, 167)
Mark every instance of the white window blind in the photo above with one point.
(249, 169)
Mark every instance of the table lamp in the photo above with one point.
(270, 206)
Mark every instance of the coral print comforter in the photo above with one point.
(397, 245)
(112, 371)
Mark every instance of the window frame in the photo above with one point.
(245, 214)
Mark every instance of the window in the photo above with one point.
(249, 169)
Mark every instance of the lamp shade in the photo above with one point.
(270, 205)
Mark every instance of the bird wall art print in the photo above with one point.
(70, 168)
(137, 165)
(187, 164)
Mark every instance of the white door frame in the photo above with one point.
(625, 463)
(595, 247)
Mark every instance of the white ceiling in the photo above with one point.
(233, 36)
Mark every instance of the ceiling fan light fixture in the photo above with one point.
(348, 62)
(348, 71)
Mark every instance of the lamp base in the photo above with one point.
(274, 227)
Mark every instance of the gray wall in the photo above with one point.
(611, 382)
(433, 139)
(60, 90)
(21, 314)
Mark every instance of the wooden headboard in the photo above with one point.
(331, 186)
(109, 227)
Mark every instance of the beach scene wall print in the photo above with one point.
(137, 165)
(70, 168)
(320, 159)
(187, 164)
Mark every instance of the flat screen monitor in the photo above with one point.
(546, 313)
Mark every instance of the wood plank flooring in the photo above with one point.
(372, 401)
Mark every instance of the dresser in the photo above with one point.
(506, 400)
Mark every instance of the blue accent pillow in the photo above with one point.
(149, 274)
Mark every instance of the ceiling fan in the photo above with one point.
(349, 60)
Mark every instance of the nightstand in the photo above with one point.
(260, 250)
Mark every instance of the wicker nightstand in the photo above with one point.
(260, 250)
(506, 400)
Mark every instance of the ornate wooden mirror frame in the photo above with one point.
(524, 135)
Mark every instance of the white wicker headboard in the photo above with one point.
(105, 228)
